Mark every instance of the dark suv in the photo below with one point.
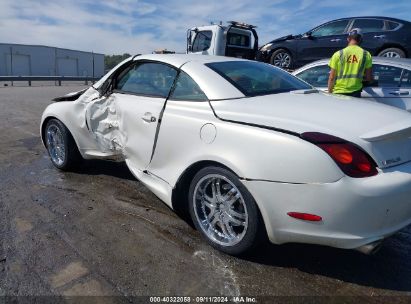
(382, 36)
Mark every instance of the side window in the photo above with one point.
(406, 79)
(369, 25)
(235, 39)
(187, 89)
(316, 76)
(333, 28)
(152, 79)
(386, 76)
(202, 41)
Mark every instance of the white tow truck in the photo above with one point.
(236, 39)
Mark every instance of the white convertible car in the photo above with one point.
(248, 150)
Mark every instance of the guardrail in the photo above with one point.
(58, 79)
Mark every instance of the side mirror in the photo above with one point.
(189, 48)
(308, 35)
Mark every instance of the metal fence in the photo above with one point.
(57, 79)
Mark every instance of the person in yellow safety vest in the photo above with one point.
(348, 67)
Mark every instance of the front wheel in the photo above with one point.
(61, 146)
(282, 59)
(224, 211)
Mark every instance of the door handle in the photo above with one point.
(148, 117)
(335, 40)
(400, 93)
(379, 36)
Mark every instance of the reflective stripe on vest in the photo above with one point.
(361, 70)
(362, 66)
(341, 63)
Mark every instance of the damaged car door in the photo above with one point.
(133, 110)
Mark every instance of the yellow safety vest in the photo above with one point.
(350, 65)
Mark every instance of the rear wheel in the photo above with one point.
(224, 211)
(282, 59)
(61, 146)
(392, 53)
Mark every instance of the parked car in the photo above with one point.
(247, 149)
(391, 85)
(382, 36)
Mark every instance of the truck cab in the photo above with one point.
(234, 40)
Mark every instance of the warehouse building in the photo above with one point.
(38, 60)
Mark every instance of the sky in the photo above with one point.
(141, 26)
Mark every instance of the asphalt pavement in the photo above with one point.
(98, 231)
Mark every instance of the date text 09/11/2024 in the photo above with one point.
(205, 299)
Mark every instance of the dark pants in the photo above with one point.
(353, 94)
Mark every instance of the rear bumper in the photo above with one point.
(354, 212)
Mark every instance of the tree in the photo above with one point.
(110, 61)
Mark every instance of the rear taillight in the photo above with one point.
(351, 159)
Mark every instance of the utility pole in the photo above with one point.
(92, 52)
(55, 63)
(11, 63)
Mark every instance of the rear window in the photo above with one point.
(256, 78)
(235, 39)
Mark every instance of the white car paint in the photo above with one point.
(395, 96)
(302, 112)
(258, 138)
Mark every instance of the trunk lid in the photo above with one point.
(383, 131)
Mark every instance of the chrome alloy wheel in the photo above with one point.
(220, 210)
(55, 145)
(391, 55)
(282, 60)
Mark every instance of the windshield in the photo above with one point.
(256, 78)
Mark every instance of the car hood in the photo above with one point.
(284, 38)
(383, 131)
(70, 96)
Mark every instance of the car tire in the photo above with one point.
(61, 146)
(236, 226)
(392, 53)
(281, 58)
